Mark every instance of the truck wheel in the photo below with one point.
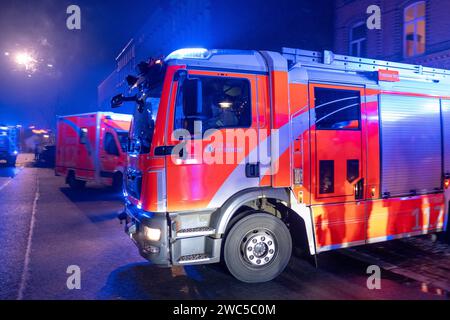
(75, 183)
(257, 248)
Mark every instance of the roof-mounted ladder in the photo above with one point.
(329, 60)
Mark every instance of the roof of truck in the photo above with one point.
(219, 59)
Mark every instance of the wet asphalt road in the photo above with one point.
(46, 227)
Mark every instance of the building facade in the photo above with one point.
(232, 24)
(165, 30)
(416, 32)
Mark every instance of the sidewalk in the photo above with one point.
(420, 259)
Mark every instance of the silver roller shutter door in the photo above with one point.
(410, 145)
(446, 129)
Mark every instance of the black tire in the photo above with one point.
(273, 242)
(75, 183)
(117, 184)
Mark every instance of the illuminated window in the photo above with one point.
(414, 29)
(358, 40)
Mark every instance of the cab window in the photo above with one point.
(205, 103)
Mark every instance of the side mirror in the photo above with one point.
(117, 101)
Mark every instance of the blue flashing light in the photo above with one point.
(139, 206)
(189, 53)
(16, 152)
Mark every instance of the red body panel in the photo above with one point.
(339, 218)
(192, 184)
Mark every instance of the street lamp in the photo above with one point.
(25, 59)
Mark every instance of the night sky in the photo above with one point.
(81, 59)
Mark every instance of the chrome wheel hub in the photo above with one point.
(259, 247)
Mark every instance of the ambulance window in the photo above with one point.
(123, 140)
(337, 109)
(83, 135)
(110, 144)
(213, 103)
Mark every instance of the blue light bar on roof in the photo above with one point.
(189, 53)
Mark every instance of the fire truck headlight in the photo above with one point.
(152, 234)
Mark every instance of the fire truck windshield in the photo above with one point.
(141, 133)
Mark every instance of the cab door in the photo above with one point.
(213, 136)
(338, 165)
(109, 154)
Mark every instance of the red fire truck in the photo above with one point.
(339, 151)
(92, 147)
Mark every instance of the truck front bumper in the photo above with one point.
(143, 228)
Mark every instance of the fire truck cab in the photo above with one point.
(241, 155)
(92, 147)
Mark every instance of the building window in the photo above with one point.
(414, 29)
(358, 40)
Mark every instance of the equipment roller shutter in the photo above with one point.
(410, 145)
(445, 104)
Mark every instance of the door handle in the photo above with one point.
(168, 150)
(164, 150)
(359, 189)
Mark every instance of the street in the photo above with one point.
(46, 227)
